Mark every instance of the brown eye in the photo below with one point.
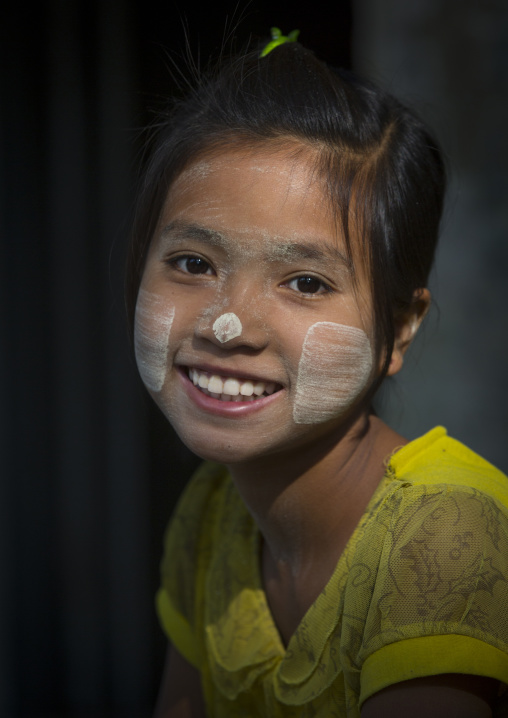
(308, 285)
(193, 265)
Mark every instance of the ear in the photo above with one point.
(406, 325)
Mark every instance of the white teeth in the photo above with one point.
(247, 388)
(259, 388)
(229, 388)
(215, 384)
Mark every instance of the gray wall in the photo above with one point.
(449, 60)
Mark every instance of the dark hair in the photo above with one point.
(370, 149)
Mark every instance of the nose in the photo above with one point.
(227, 327)
(238, 322)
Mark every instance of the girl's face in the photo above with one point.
(249, 333)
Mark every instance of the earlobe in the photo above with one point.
(406, 326)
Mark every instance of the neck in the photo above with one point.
(307, 503)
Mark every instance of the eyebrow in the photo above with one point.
(188, 230)
(280, 251)
(290, 251)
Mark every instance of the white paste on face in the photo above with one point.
(334, 368)
(227, 327)
(151, 338)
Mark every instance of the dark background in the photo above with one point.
(90, 470)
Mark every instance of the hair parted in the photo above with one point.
(381, 167)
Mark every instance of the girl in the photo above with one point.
(318, 564)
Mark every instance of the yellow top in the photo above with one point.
(420, 589)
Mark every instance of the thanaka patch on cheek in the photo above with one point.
(334, 368)
(152, 326)
(227, 327)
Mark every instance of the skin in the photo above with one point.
(299, 481)
(253, 202)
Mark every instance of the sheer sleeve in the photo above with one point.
(440, 598)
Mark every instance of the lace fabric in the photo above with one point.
(428, 559)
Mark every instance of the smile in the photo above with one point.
(229, 388)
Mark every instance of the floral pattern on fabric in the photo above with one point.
(428, 558)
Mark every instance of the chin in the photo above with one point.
(233, 444)
(227, 453)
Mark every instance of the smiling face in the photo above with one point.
(250, 333)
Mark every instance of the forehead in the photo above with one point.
(269, 191)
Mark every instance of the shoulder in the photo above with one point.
(437, 605)
(448, 532)
(438, 459)
(188, 548)
(439, 502)
(207, 482)
(451, 498)
(187, 537)
(195, 515)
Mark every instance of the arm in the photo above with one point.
(450, 695)
(180, 694)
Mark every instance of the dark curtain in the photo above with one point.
(75, 511)
(90, 469)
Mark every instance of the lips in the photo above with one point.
(231, 388)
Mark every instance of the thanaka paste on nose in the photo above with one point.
(227, 327)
